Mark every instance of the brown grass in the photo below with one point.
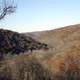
(23, 67)
(65, 65)
(61, 66)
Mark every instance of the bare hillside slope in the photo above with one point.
(61, 38)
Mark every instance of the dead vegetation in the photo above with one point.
(65, 65)
(23, 67)
(61, 66)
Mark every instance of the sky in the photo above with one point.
(38, 15)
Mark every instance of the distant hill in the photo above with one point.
(60, 38)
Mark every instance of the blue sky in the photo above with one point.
(37, 15)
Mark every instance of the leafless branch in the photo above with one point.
(6, 7)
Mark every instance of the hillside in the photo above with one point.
(15, 43)
(61, 38)
(60, 62)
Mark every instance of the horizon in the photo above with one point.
(41, 15)
(59, 27)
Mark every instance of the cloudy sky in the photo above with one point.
(37, 15)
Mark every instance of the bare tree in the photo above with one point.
(6, 7)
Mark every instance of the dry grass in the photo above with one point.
(65, 65)
(42, 66)
(23, 67)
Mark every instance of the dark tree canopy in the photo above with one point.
(6, 7)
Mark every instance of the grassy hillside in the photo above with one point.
(15, 43)
(60, 62)
(61, 38)
(42, 66)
